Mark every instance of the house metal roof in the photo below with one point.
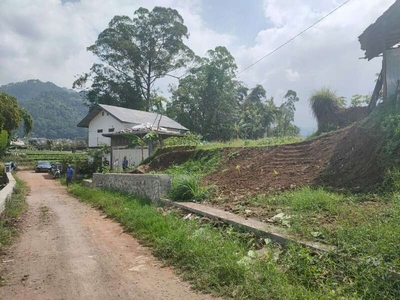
(131, 116)
(383, 34)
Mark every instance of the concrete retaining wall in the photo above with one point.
(151, 186)
(7, 190)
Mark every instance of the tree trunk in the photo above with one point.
(148, 87)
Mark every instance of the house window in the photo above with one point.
(99, 130)
(111, 129)
(102, 113)
(108, 114)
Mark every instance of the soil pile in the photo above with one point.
(344, 159)
(261, 170)
(354, 164)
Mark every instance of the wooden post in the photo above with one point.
(384, 69)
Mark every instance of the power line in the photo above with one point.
(293, 38)
(276, 49)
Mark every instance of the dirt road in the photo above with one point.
(68, 250)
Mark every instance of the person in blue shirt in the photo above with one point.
(70, 172)
(125, 164)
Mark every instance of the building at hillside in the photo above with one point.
(106, 119)
(111, 124)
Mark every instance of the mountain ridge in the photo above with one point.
(55, 110)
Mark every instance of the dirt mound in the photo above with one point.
(167, 157)
(354, 164)
(342, 159)
(260, 170)
(350, 115)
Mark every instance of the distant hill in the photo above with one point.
(56, 111)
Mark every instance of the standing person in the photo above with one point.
(125, 163)
(70, 172)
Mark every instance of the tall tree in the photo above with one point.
(205, 99)
(135, 53)
(285, 127)
(259, 112)
(11, 115)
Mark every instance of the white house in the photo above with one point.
(105, 119)
(108, 124)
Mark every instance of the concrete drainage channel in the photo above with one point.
(276, 234)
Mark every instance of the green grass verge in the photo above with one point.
(361, 226)
(15, 206)
(186, 184)
(213, 261)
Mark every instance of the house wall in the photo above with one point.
(392, 71)
(134, 156)
(103, 122)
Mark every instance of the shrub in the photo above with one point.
(187, 188)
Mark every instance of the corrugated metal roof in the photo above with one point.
(383, 34)
(132, 116)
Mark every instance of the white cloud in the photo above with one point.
(327, 55)
(46, 39)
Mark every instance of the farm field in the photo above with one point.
(30, 158)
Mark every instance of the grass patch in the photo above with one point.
(14, 207)
(365, 227)
(186, 184)
(188, 188)
(202, 164)
(304, 199)
(211, 260)
(271, 141)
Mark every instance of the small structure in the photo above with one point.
(120, 143)
(104, 120)
(382, 39)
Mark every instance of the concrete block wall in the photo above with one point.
(6, 192)
(151, 186)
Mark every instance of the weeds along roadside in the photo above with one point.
(225, 263)
(186, 177)
(14, 207)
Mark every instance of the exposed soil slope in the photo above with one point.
(343, 159)
(354, 164)
(261, 170)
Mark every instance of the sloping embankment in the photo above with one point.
(343, 159)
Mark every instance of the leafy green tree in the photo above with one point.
(258, 111)
(135, 53)
(50, 144)
(205, 100)
(11, 115)
(286, 116)
(359, 100)
(3, 141)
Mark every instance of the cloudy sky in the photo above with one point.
(47, 40)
